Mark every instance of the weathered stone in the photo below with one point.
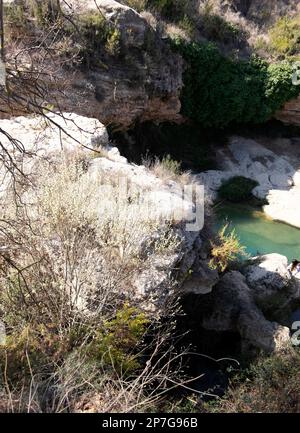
(142, 83)
(64, 131)
(290, 113)
(276, 172)
(267, 275)
(284, 205)
(201, 281)
(234, 309)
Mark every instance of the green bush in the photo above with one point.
(285, 36)
(114, 345)
(237, 189)
(171, 165)
(219, 91)
(95, 38)
(225, 249)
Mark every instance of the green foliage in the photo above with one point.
(115, 343)
(93, 26)
(40, 11)
(225, 249)
(14, 14)
(38, 348)
(171, 165)
(285, 36)
(30, 350)
(98, 35)
(237, 189)
(113, 42)
(271, 385)
(15, 21)
(187, 24)
(219, 91)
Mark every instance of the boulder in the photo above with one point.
(43, 136)
(275, 168)
(275, 291)
(234, 309)
(201, 281)
(284, 205)
(266, 275)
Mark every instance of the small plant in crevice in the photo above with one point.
(165, 168)
(225, 249)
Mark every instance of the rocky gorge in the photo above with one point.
(274, 165)
(242, 301)
(98, 252)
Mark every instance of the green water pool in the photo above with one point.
(259, 234)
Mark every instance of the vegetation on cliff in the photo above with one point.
(268, 385)
(76, 332)
(218, 90)
(78, 337)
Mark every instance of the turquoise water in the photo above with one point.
(259, 234)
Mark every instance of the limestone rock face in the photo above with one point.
(143, 82)
(276, 169)
(234, 309)
(290, 113)
(273, 287)
(44, 138)
(267, 275)
(201, 281)
(246, 157)
(160, 202)
(65, 131)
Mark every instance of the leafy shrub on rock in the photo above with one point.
(219, 91)
(285, 36)
(225, 249)
(237, 189)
